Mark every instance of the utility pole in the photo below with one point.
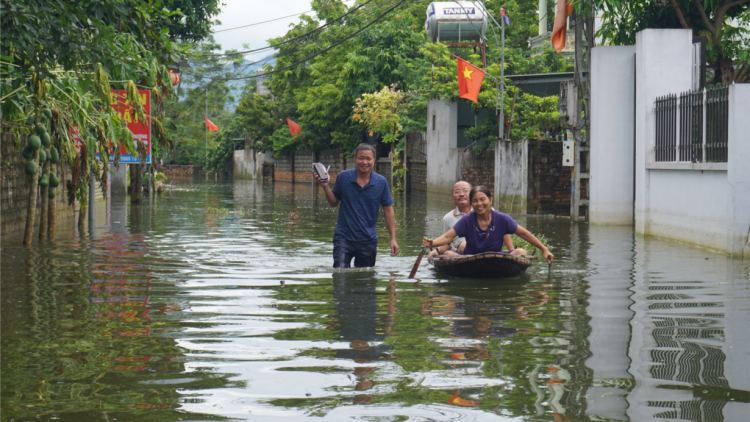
(206, 165)
(584, 22)
(501, 123)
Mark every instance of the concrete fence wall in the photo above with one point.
(14, 190)
(511, 176)
(548, 180)
(705, 204)
(297, 167)
(479, 169)
(247, 163)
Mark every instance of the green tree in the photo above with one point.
(725, 23)
(62, 59)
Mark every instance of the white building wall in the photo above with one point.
(443, 156)
(612, 135)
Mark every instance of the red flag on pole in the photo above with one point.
(210, 125)
(294, 128)
(470, 80)
(561, 25)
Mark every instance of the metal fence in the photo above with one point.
(693, 126)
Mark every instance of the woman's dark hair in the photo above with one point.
(479, 188)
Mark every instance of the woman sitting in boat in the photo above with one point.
(484, 229)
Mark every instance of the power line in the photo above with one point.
(317, 53)
(259, 23)
(239, 53)
(272, 20)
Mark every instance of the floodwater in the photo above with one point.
(217, 301)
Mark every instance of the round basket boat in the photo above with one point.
(483, 265)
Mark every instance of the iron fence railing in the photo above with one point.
(692, 126)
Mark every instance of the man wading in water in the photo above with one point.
(361, 192)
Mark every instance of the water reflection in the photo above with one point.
(217, 301)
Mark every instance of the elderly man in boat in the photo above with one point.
(485, 228)
(460, 197)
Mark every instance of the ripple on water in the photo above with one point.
(217, 301)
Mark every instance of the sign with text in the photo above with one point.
(141, 130)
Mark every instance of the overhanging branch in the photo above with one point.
(705, 18)
(680, 14)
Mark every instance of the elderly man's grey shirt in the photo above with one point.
(448, 221)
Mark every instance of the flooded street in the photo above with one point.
(217, 301)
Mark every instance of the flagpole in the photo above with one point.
(206, 133)
(501, 123)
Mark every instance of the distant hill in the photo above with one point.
(248, 68)
(257, 64)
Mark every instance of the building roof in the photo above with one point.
(541, 84)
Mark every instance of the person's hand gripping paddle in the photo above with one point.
(419, 259)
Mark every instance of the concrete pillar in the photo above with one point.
(119, 180)
(612, 135)
(738, 171)
(443, 158)
(542, 17)
(663, 66)
(511, 176)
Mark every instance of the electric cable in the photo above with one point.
(312, 56)
(238, 53)
(273, 20)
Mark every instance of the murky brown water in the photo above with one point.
(217, 302)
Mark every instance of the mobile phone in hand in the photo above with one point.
(321, 171)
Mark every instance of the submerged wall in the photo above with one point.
(511, 176)
(14, 190)
(248, 163)
(297, 167)
(704, 204)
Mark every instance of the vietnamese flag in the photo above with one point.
(561, 25)
(210, 125)
(294, 128)
(470, 80)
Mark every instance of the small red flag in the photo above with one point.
(294, 128)
(210, 125)
(470, 80)
(561, 24)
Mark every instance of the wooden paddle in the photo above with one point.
(419, 259)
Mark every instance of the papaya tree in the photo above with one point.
(62, 59)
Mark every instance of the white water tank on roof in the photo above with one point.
(456, 21)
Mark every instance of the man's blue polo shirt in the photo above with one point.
(359, 207)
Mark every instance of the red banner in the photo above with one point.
(141, 130)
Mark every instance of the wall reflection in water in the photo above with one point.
(690, 343)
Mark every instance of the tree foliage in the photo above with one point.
(60, 59)
(725, 24)
(320, 93)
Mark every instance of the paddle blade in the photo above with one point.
(416, 264)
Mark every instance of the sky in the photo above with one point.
(243, 12)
